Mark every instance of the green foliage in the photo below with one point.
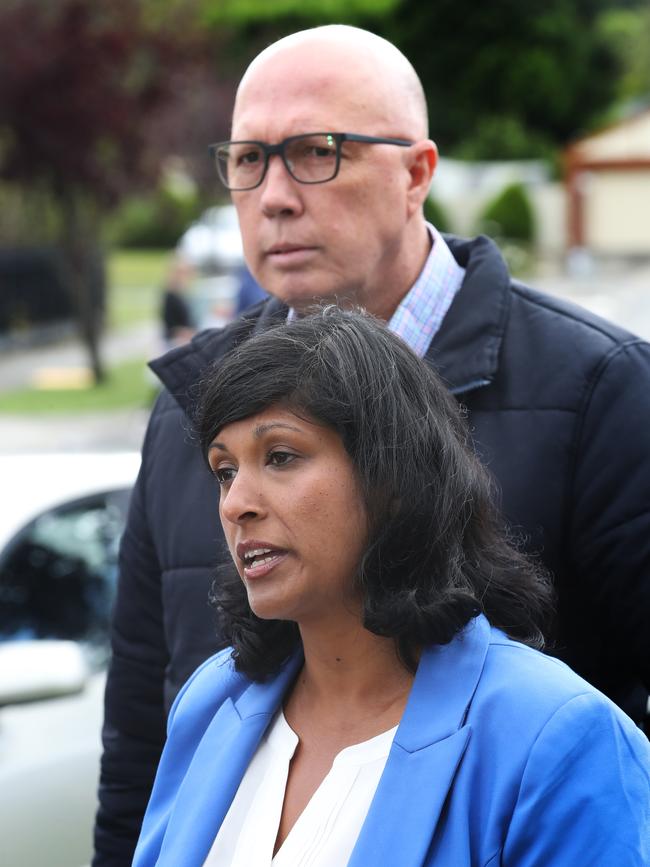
(543, 64)
(134, 269)
(509, 215)
(255, 11)
(126, 385)
(135, 278)
(155, 221)
(627, 31)
(504, 137)
(436, 214)
(27, 215)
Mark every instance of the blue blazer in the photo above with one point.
(503, 756)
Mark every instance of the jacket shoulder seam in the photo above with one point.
(540, 299)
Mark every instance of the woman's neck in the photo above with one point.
(352, 675)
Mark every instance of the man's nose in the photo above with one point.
(242, 500)
(280, 192)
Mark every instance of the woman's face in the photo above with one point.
(292, 514)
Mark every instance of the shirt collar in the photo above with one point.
(420, 313)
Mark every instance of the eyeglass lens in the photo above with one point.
(309, 158)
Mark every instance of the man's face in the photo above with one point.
(342, 239)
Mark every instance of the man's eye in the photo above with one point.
(248, 158)
(224, 474)
(320, 152)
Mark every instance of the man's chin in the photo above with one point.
(305, 299)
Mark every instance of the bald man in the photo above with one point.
(329, 166)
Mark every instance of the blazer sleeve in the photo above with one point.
(585, 792)
(191, 714)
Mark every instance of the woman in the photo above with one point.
(382, 702)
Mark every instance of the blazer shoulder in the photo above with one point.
(526, 684)
(213, 682)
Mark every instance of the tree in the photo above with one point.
(628, 33)
(81, 84)
(513, 78)
(507, 79)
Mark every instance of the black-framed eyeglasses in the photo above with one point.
(312, 158)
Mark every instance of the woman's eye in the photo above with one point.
(224, 474)
(280, 459)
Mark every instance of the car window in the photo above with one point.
(58, 574)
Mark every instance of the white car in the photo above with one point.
(213, 243)
(61, 516)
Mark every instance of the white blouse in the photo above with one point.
(325, 833)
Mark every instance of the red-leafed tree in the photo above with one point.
(82, 87)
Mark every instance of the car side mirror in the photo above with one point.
(37, 670)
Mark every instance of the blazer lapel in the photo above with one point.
(217, 768)
(427, 750)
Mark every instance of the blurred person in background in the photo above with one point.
(384, 683)
(175, 310)
(557, 398)
(249, 291)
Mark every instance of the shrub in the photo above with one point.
(509, 215)
(155, 221)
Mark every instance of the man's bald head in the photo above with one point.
(359, 236)
(376, 70)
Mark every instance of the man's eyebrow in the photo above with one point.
(258, 431)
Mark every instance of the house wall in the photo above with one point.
(616, 211)
(549, 201)
(613, 203)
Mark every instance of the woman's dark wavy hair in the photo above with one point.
(437, 554)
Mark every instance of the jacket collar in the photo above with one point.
(465, 350)
(180, 370)
(427, 750)
(216, 769)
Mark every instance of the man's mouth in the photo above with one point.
(287, 248)
(289, 252)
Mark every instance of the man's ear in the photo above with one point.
(422, 161)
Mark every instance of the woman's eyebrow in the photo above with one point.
(261, 429)
(258, 431)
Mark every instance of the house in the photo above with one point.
(607, 179)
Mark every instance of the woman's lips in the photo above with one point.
(262, 565)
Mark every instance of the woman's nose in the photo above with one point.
(241, 501)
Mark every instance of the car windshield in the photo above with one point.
(57, 576)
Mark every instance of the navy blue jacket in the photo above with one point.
(559, 407)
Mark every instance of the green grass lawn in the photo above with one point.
(135, 280)
(126, 385)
